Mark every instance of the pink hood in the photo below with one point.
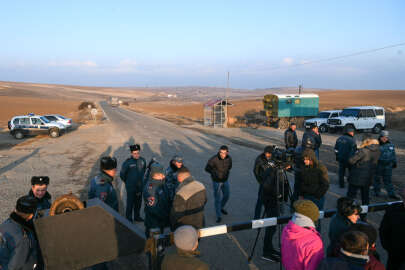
(301, 248)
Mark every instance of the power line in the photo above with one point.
(339, 57)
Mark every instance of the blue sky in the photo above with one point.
(178, 43)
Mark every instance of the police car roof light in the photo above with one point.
(31, 114)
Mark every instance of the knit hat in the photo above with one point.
(39, 180)
(26, 204)
(156, 168)
(307, 208)
(384, 133)
(185, 238)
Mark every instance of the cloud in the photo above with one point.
(74, 63)
(288, 60)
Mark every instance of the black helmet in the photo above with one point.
(108, 163)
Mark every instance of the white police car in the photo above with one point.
(32, 124)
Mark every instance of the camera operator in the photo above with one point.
(262, 163)
(274, 191)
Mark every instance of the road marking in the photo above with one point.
(236, 242)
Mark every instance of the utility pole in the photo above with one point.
(226, 102)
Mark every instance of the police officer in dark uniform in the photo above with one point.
(171, 175)
(262, 163)
(156, 200)
(345, 148)
(18, 245)
(132, 174)
(386, 163)
(312, 139)
(101, 185)
(39, 187)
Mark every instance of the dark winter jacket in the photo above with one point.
(188, 204)
(101, 187)
(171, 179)
(392, 235)
(388, 156)
(261, 165)
(157, 204)
(44, 203)
(290, 139)
(132, 173)
(314, 179)
(18, 246)
(346, 261)
(219, 168)
(183, 260)
(311, 140)
(364, 164)
(345, 148)
(337, 227)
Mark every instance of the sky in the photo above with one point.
(262, 44)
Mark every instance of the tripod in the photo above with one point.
(283, 194)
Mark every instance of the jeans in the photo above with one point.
(220, 203)
(320, 203)
(259, 203)
(384, 171)
(317, 153)
(342, 170)
(134, 203)
(270, 231)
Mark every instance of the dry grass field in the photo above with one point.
(392, 101)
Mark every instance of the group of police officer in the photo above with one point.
(158, 189)
(19, 247)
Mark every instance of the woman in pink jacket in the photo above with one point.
(301, 244)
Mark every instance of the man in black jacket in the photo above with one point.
(392, 234)
(262, 163)
(312, 139)
(290, 137)
(219, 167)
(345, 148)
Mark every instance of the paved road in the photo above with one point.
(162, 140)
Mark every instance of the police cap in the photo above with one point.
(40, 180)
(27, 204)
(108, 163)
(135, 147)
(269, 149)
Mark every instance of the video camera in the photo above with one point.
(282, 157)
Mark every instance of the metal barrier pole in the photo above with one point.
(154, 258)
